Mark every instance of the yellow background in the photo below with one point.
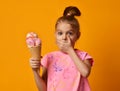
(100, 27)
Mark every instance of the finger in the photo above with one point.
(34, 62)
(33, 59)
(68, 38)
(35, 67)
(59, 43)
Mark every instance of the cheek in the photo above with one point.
(57, 37)
(73, 39)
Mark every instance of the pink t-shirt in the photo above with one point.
(62, 72)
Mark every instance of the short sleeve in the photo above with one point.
(88, 57)
(44, 61)
(85, 56)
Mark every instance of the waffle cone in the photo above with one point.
(35, 52)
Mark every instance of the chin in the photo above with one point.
(63, 51)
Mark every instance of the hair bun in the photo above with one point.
(71, 11)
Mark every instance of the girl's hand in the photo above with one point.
(35, 64)
(65, 45)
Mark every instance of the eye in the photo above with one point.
(70, 33)
(59, 33)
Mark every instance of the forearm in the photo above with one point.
(83, 68)
(41, 85)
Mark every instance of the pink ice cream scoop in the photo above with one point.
(32, 40)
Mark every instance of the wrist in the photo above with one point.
(71, 50)
(35, 70)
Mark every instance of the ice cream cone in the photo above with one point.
(35, 52)
(34, 45)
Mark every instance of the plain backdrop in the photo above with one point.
(100, 28)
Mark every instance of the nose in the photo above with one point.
(64, 36)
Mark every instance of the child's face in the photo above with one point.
(63, 30)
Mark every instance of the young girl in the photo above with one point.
(68, 68)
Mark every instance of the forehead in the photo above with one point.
(63, 26)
